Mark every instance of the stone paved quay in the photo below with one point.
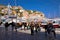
(23, 35)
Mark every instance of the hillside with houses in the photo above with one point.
(13, 10)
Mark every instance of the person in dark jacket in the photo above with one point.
(13, 25)
(25, 25)
(32, 28)
(6, 26)
(50, 28)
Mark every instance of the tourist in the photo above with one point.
(50, 28)
(6, 26)
(32, 28)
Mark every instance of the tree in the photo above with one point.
(29, 11)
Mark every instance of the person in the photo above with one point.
(28, 25)
(39, 25)
(0, 23)
(6, 26)
(16, 26)
(36, 26)
(50, 28)
(32, 28)
(20, 25)
(45, 27)
(25, 25)
(13, 24)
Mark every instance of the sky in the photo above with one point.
(51, 8)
